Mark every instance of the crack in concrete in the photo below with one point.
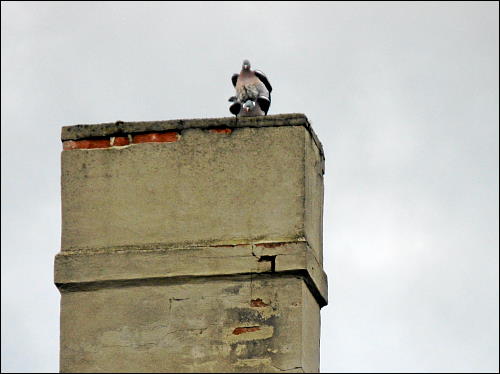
(294, 368)
(186, 330)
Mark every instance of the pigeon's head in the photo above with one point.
(248, 106)
(246, 65)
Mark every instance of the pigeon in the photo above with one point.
(249, 105)
(253, 89)
(248, 109)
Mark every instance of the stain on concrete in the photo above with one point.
(233, 290)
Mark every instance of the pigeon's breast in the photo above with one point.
(248, 86)
(248, 91)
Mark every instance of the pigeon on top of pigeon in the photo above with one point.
(253, 92)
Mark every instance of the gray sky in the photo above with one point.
(403, 96)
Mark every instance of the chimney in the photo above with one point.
(191, 246)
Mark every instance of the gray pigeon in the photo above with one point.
(253, 89)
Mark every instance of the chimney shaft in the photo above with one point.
(191, 246)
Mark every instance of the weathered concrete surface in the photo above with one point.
(205, 189)
(227, 324)
(314, 168)
(201, 253)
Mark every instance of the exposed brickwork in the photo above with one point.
(69, 144)
(258, 303)
(222, 131)
(242, 330)
(85, 144)
(170, 136)
(120, 141)
(161, 137)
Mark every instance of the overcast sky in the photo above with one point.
(403, 96)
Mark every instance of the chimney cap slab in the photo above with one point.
(89, 131)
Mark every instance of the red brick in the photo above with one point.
(85, 144)
(242, 330)
(121, 140)
(258, 303)
(171, 136)
(69, 144)
(221, 131)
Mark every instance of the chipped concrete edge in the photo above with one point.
(88, 131)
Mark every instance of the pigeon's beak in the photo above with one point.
(245, 67)
(247, 109)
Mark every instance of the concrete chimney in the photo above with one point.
(191, 246)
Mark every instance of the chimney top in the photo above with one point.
(87, 131)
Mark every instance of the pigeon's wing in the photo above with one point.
(234, 79)
(264, 104)
(263, 79)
